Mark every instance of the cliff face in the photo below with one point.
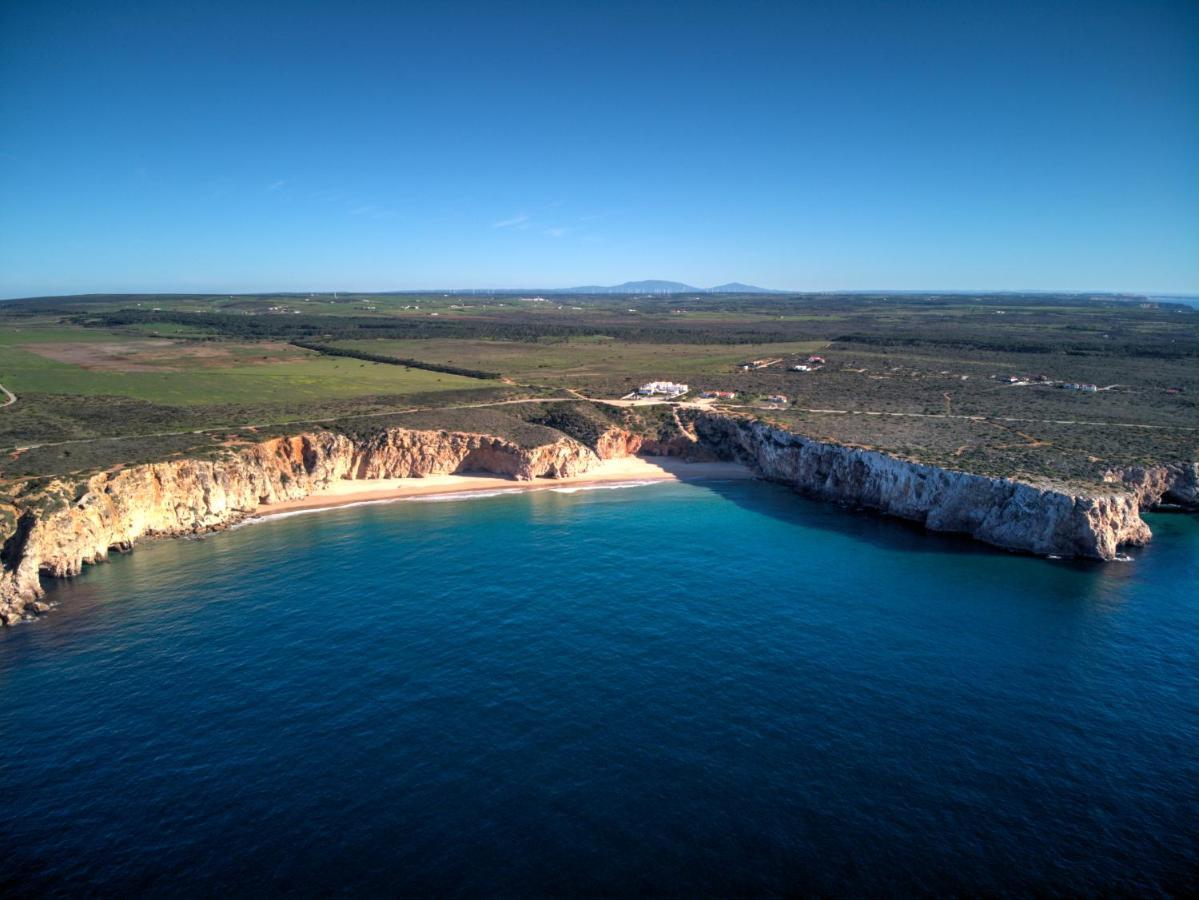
(1042, 519)
(112, 510)
(69, 524)
(1176, 485)
(616, 443)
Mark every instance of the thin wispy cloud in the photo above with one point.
(556, 232)
(371, 211)
(511, 223)
(276, 185)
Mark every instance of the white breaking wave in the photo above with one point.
(610, 486)
(461, 495)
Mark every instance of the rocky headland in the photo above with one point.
(1044, 518)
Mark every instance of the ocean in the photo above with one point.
(1187, 299)
(674, 689)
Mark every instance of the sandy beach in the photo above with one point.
(629, 469)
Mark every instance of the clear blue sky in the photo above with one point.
(182, 146)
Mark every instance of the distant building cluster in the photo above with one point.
(719, 395)
(1028, 379)
(1085, 387)
(663, 388)
(811, 364)
(760, 363)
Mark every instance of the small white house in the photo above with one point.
(664, 388)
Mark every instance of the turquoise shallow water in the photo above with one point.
(675, 689)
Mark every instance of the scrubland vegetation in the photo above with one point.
(973, 382)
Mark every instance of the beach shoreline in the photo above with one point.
(632, 469)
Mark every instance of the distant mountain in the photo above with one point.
(664, 287)
(635, 287)
(736, 287)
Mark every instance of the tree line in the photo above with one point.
(328, 350)
(507, 327)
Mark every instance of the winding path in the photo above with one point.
(12, 398)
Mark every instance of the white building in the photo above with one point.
(666, 388)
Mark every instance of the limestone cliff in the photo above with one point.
(1044, 518)
(57, 528)
(1174, 485)
(66, 525)
(616, 443)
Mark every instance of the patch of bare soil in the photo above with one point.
(158, 354)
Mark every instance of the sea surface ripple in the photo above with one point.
(676, 689)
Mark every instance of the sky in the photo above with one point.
(840, 145)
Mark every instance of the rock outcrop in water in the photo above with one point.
(1046, 519)
(66, 524)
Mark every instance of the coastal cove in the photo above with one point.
(57, 527)
(700, 688)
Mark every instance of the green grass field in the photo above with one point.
(75, 384)
(603, 365)
(302, 377)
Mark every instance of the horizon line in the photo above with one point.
(517, 290)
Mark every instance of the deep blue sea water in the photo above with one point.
(1188, 299)
(682, 689)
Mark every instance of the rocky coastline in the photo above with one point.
(64, 525)
(1042, 518)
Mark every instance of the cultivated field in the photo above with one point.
(600, 366)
